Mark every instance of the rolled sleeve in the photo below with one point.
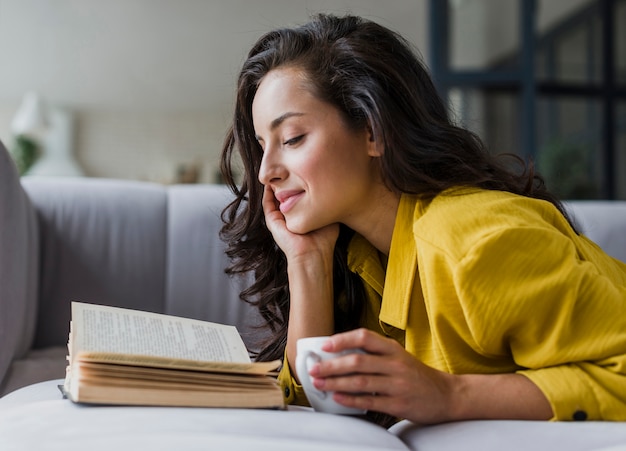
(599, 389)
(558, 384)
(292, 390)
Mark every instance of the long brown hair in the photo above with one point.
(374, 78)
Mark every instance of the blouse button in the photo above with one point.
(579, 415)
(287, 392)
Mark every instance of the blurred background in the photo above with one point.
(143, 89)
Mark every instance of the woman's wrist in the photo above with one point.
(319, 260)
(311, 310)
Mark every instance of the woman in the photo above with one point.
(365, 214)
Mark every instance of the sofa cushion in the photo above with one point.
(496, 435)
(61, 425)
(18, 265)
(35, 366)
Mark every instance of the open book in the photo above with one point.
(129, 357)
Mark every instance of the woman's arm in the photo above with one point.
(311, 300)
(391, 380)
(499, 396)
(309, 270)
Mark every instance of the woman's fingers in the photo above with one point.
(361, 373)
(373, 371)
(364, 339)
(357, 383)
(270, 207)
(371, 382)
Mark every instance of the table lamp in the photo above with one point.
(53, 130)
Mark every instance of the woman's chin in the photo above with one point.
(298, 227)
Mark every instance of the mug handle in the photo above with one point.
(307, 361)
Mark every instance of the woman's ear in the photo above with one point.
(375, 147)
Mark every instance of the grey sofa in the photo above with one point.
(156, 248)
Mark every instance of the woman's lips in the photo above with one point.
(288, 199)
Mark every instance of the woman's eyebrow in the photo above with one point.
(282, 118)
(279, 120)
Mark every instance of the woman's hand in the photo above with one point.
(296, 245)
(387, 379)
(390, 380)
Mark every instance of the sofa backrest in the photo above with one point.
(196, 285)
(603, 222)
(101, 241)
(135, 245)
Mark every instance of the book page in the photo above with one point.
(97, 328)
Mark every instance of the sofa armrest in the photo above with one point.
(19, 264)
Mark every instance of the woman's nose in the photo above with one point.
(271, 168)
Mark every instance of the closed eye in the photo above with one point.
(293, 141)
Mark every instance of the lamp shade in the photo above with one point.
(30, 119)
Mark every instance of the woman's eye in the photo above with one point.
(292, 141)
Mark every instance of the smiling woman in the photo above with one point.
(392, 230)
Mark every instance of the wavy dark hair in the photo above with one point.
(374, 78)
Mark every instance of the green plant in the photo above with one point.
(25, 152)
(567, 170)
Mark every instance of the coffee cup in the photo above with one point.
(308, 353)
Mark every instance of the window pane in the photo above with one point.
(620, 151)
(484, 34)
(569, 42)
(569, 153)
(491, 114)
(620, 42)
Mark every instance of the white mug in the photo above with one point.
(309, 352)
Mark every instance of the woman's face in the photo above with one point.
(320, 170)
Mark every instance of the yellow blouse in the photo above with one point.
(486, 282)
